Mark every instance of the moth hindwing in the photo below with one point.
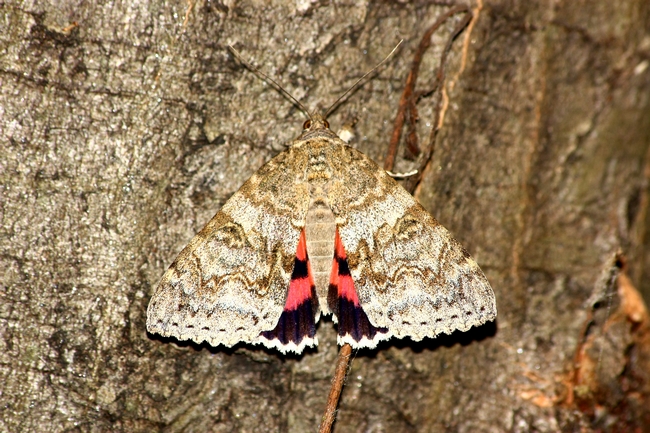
(320, 229)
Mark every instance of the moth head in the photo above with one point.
(315, 122)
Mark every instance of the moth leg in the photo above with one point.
(402, 175)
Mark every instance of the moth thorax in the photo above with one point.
(320, 230)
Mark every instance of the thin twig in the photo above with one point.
(335, 392)
(412, 182)
(407, 101)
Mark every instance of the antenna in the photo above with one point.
(297, 103)
(269, 80)
(355, 86)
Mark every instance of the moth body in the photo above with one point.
(320, 230)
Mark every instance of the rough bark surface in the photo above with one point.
(124, 127)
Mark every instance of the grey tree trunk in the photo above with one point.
(125, 126)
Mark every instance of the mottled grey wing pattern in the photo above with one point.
(411, 276)
(230, 283)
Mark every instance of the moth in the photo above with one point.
(320, 229)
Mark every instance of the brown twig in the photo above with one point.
(411, 183)
(335, 392)
(408, 99)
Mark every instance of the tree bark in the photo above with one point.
(124, 127)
